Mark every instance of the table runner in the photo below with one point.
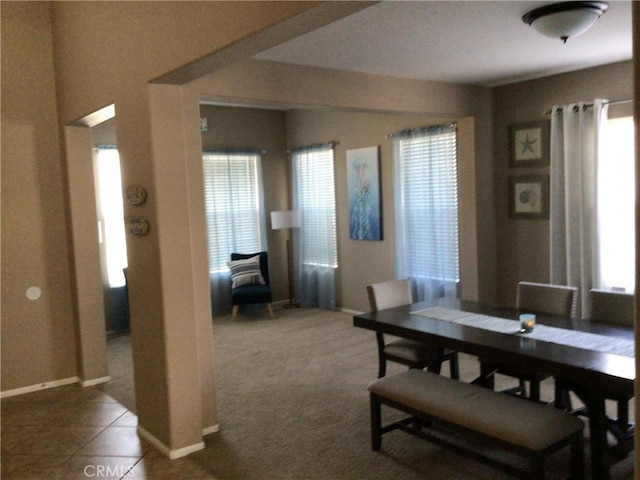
(562, 336)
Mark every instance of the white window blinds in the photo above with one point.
(233, 205)
(427, 238)
(315, 199)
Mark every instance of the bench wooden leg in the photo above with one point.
(270, 310)
(376, 424)
(577, 458)
(537, 467)
(234, 313)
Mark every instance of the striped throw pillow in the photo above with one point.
(246, 272)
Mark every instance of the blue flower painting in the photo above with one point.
(364, 194)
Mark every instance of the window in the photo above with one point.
(111, 214)
(616, 200)
(426, 204)
(315, 242)
(233, 205)
(315, 199)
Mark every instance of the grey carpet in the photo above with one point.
(293, 404)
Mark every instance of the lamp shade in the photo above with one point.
(285, 219)
(565, 19)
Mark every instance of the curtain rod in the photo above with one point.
(609, 102)
(239, 150)
(422, 129)
(313, 146)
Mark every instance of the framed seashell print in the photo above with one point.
(529, 196)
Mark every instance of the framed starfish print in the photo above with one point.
(529, 144)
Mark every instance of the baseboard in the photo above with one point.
(38, 387)
(343, 310)
(279, 303)
(210, 430)
(95, 381)
(166, 451)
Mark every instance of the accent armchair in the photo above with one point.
(250, 283)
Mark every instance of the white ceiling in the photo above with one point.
(476, 42)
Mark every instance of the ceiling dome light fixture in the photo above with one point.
(565, 19)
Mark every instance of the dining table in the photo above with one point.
(597, 360)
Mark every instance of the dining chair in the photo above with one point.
(547, 298)
(532, 297)
(397, 293)
(615, 308)
(609, 306)
(250, 282)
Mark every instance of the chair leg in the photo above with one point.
(234, 312)
(562, 397)
(376, 423)
(382, 361)
(382, 367)
(454, 367)
(522, 386)
(270, 310)
(623, 415)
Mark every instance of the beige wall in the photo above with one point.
(38, 343)
(523, 245)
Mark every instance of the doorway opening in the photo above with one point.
(111, 236)
(113, 261)
(111, 232)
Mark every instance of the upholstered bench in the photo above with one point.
(527, 428)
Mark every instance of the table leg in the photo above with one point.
(598, 437)
(602, 455)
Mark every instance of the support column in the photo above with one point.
(180, 338)
(89, 295)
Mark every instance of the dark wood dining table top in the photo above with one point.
(594, 369)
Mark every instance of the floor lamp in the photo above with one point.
(287, 219)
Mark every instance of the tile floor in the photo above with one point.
(75, 433)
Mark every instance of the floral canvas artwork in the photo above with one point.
(363, 179)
